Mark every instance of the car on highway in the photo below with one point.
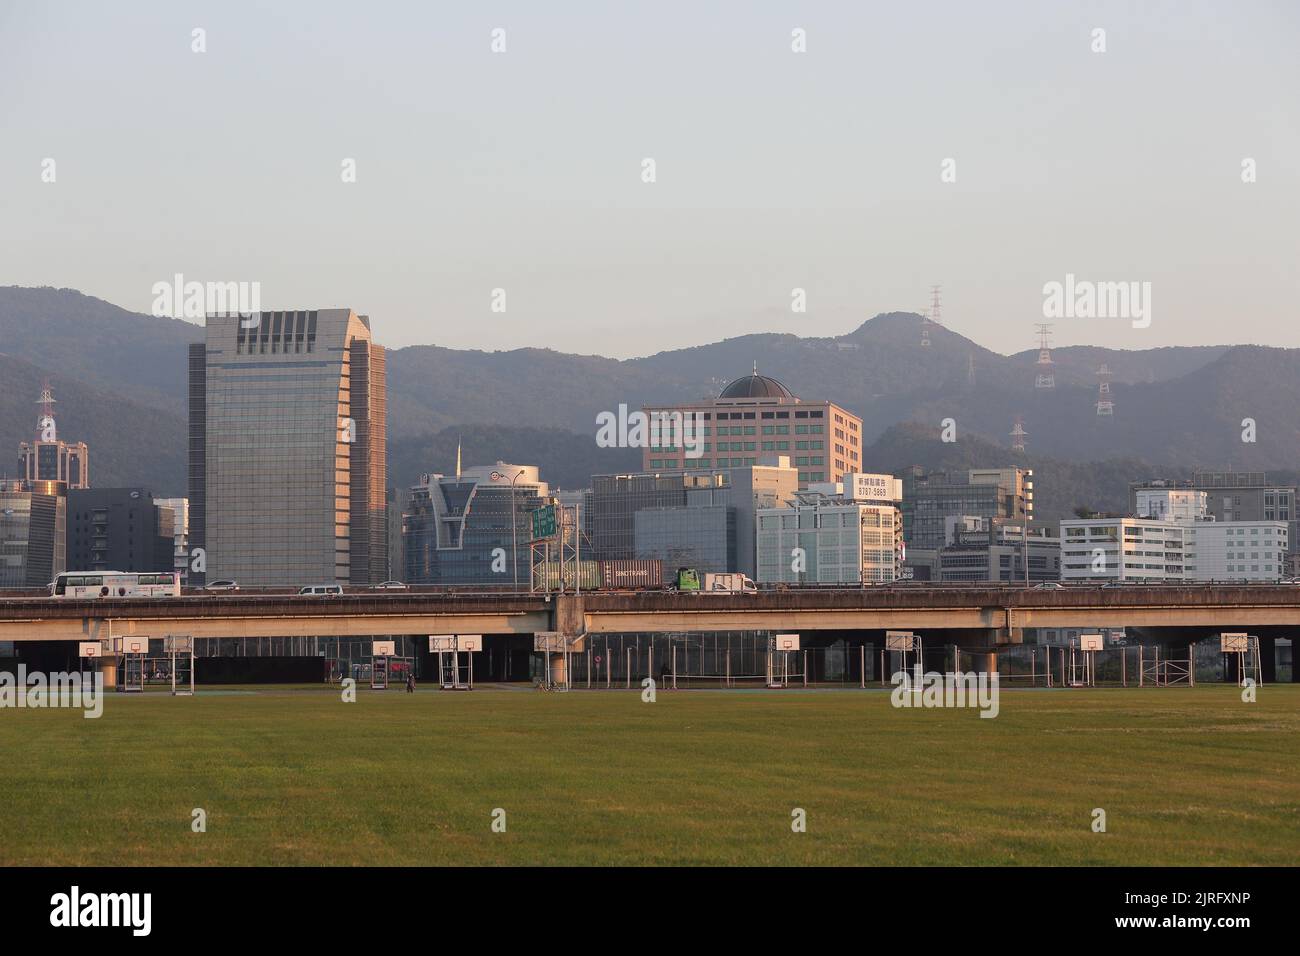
(391, 586)
(223, 585)
(321, 590)
(1050, 586)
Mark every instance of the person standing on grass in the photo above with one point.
(410, 682)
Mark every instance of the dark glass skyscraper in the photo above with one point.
(288, 433)
(32, 532)
(118, 529)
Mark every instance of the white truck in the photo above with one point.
(732, 582)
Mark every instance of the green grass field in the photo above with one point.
(296, 776)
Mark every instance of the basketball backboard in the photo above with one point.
(556, 643)
(1236, 643)
(900, 640)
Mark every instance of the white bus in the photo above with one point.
(115, 584)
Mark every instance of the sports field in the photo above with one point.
(296, 776)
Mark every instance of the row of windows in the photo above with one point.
(702, 463)
(748, 416)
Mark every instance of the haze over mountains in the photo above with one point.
(120, 381)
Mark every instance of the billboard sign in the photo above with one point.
(861, 486)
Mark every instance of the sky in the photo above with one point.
(990, 148)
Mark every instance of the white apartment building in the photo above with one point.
(1236, 550)
(830, 539)
(1184, 544)
(1122, 549)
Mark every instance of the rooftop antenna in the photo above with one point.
(1046, 378)
(457, 456)
(1105, 407)
(45, 422)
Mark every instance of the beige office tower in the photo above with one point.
(288, 416)
(756, 417)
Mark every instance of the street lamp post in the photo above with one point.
(514, 534)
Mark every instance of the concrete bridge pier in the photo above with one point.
(556, 667)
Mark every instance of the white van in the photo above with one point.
(322, 590)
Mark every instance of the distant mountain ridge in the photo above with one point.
(120, 377)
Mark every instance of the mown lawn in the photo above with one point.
(295, 776)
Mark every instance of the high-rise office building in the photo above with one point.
(929, 499)
(46, 458)
(458, 528)
(33, 545)
(755, 417)
(666, 515)
(118, 529)
(713, 529)
(288, 429)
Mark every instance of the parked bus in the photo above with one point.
(117, 584)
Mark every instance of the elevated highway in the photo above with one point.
(973, 615)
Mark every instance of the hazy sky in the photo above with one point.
(522, 170)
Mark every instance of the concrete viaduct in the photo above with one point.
(976, 617)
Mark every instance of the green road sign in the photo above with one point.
(544, 522)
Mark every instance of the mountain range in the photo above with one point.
(119, 378)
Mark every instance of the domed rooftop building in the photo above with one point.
(756, 387)
(757, 420)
